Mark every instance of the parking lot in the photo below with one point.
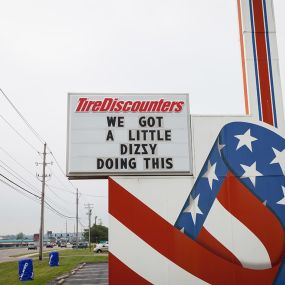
(92, 273)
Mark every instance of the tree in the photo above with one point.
(20, 236)
(98, 233)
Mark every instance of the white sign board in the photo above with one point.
(128, 134)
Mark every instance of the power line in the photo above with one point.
(22, 117)
(96, 196)
(42, 141)
(55, 193)
(60, 168)
(34, 197)
(82, 224)
(64, 216)
(35, 133)
(20, 192)
(81, 194)
(50, 201)
(28, 184)
(65, 209)
(9, 155)
(31, 193)
(58, 179)
(61, 189)
(18, 133)
(23, 180)
(18, 176)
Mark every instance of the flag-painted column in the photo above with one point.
(261, 76)
(229, 227)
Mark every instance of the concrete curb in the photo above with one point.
(61, 279)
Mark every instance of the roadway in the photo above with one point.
(9, 254)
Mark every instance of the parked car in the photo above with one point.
(101, 247)
(32, 245)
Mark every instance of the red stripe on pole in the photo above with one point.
(242, 204)
(121, 274)
(245, 93)
(263, 72)
(176, 246)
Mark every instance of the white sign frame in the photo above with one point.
(83, 174)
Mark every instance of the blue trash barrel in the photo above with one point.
(53, 258)
(26, 271)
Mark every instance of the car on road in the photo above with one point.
(63, 244)
(101, 247)
(81, 245)
(32, 245)
(49, 244)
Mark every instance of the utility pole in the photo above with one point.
(43, 176)
(89, 213)
(95, 230)
(77, 218)
(66, 230)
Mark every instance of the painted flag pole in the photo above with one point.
(246, 167)
(231, 228)
(260, 62)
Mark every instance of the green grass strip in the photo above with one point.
(43, 273)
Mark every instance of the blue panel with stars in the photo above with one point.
(205, 190)
(255, 155)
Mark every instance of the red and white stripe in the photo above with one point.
(244, 226)
(144, 241)
(261, 75)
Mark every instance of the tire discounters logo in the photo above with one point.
(115, 105)
(128, 134)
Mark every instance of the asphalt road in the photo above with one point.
(90, 274)
(6, 254)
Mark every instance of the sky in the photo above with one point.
(50, 48)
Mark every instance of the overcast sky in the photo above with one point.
(49, 48)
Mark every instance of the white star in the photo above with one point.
(210, 173)
(193, 208)
(279, 158)
(182, 230)
(250, 172)
(220, 146)
(265, 202)
(245, 139)
(282, 201)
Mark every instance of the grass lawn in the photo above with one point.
(43, 273)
